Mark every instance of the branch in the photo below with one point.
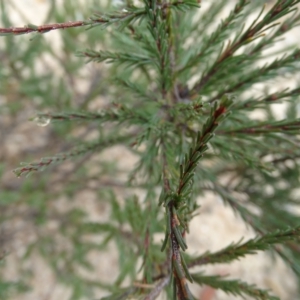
(259, 74)
(217, 36)
(291, 127)
(159, 31)
(254, 31)
(128, 15)
(172, 201)
(187, 168)
(235, 251)
(117, 57)
(180, 270)
(95, 20)
(42, 28)
(234, 287)
(174, 235)
(60, 157)
(158, 289)
(270, 98)
(119, 112)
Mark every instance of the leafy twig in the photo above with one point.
(267, 127)
(119, 112)
(235, 251)
(94, 21)
(60, 157)
(254, 31)
(187, 168)
(130, 14)
(234, 287)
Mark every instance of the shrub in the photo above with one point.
(191, 97)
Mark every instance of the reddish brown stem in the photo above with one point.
(45, 28)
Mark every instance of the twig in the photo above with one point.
(158, 288)
(44, 28)
(96, 19)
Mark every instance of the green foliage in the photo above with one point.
(234, 251)
(175, 86)
(234, 287)
(7, 289)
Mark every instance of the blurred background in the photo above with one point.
(43, 256)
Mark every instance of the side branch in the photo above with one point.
(44, 28)
(191, 159)
(61, 157)
(252, 246)
(254, 31)
(95, 20)
(158, 288)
